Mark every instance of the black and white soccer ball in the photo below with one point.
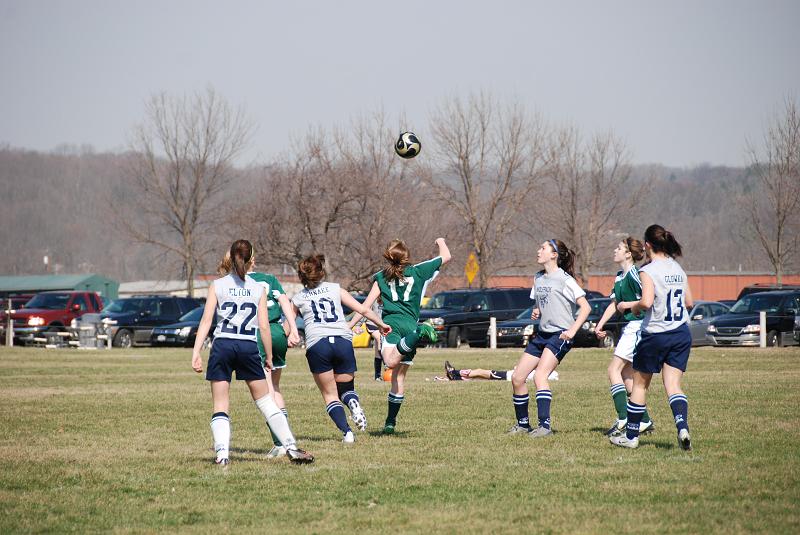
(407, 145)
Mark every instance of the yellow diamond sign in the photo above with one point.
(471, 269)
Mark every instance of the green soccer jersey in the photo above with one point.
(273, 290)
(404, 296)
(628, 287)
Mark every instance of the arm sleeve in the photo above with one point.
(572, 291)
(429, 268)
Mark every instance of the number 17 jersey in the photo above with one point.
(404, 296)
(668, 311)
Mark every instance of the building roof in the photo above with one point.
(39, 283)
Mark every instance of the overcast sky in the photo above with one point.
(683, 82)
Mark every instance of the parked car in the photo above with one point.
(137, 316)
(517, 332)
(700, 317)
(797, 328)
(182, 333)
(49, 313)
(463, 315)
(727, 302)
(741, 326)
(766, 287)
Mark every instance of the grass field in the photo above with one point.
(119, 441)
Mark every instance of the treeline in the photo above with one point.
(346, 203)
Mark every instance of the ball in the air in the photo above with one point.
(407, 145)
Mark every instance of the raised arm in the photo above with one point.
(444, 252)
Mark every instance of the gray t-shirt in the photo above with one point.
(321, 308)
(556, 295)
(668, 311)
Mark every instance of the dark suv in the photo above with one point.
(137, 316)
(463, 315)
(741, 325)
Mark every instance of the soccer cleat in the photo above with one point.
(379, 378)
(357, 414)
(348, 438)
(276, 451)
(684, 441)
(540, 432)
(223, 462)
(623, 442)
(646, 427)
(298, 456)
(451, 372)
(517, 429)
(618, 428)
(388, 429)
(427, 332)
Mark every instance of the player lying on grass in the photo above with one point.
(453, 374)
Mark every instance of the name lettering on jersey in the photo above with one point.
(238, 292)
(673, 279)
(317, 291)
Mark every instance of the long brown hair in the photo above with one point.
(398, 257)
(662, 241)
(311, 270)
(241, 257)
(635, 247)
(566, 256)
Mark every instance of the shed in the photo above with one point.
(31, 284)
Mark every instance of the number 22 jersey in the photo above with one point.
(237, 307)
(322, 312)
(668, 311)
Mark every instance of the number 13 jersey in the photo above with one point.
(237, 307)
(321, 308)
(668, 311)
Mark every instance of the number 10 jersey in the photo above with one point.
(237, 307)
(322, 312)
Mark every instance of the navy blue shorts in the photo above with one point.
(550, 341)
(656, 349)
(332, 353)
(229, 355)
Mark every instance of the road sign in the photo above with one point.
(471, 269)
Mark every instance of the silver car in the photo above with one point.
(700, 316)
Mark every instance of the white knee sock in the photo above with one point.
(221, 432)
(276, 420)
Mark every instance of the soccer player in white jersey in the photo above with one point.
(561, 308)
(627, 287)
(666, 341)
(329, 345)
(239, 302)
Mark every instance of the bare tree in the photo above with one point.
(182, 159)
(588, 193)
(486, 161)
(773, 207)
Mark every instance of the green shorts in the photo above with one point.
(401, 326)
(279, 346)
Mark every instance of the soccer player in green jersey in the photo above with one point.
(283, 337)
(627, 287)
(401, 286)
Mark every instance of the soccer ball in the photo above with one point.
(407, 145)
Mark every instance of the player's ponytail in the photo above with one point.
(241, 257)
(566, 256)
(635, 247)
(662, 241)
(226, 265)
(398, 257)
(311, 270)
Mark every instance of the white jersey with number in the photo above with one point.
(668, 311)
(237, 307)
(322, 312)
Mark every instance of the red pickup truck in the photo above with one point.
(51, 312)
